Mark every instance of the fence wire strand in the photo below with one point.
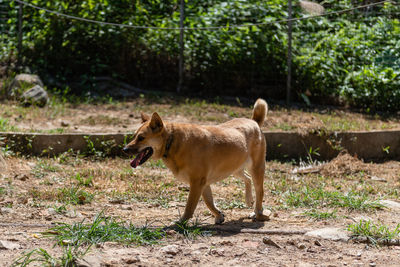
(201, 28)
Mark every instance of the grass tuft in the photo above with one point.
(104, 229)
(321, 215)
(191, 231)
(373, 232)
(318, 197)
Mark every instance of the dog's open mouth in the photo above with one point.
(142, 157)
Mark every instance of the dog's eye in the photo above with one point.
(140, 138)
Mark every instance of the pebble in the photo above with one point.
(8, 245)
(269, 241)
(171, 250)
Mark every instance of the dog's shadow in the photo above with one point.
(233, 227)
(228, 228)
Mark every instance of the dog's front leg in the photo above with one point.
(196, 189)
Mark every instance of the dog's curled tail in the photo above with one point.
(260, 111)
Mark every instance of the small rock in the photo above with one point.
(35, 96)
(6, 210)
(226, 243)
(64, 124)
(317, 243)
(51, 211)
(21, 81)
(301, 246)
(73, 214)
(89, 261)
(372, 264)
(171, 250)
(390, 204)
(310, 250)
(22, 177)
(8, 245)
(131, 260)
(334, 234)
(126, 207)
(269, 241)
(217, 252)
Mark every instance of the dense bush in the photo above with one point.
(352, 57)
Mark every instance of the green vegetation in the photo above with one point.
(321, 215)
(373, 232)
(191, 230)
(319, 197)
(41, 256)
(104, 229)
(352, 57)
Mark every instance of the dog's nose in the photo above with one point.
(126, 149)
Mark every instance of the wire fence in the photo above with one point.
(233, 79)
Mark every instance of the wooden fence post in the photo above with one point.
(19, 46)
(289, 55)
(181, 47)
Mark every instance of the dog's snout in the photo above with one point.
(126, 149)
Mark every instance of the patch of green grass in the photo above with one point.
(191, 230)
(373, 232)
(318, 197)
(6, 127)
(228, 205)
(321, 215)
(43, 166)
(104, 229)
(74, 195)
(41, 256)
(2, 191)
(83, 181)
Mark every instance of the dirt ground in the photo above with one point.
(33, 198)
(116, 117)
(150, 195)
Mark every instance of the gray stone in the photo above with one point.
(334, 234)
(90, 261)
(390, 204)
(35, 96)
(22, 82)
(171, 250)
(8, 245)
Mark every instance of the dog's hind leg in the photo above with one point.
(257, 173)
(247, 182)
(208, 199)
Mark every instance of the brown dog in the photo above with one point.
(202, 155)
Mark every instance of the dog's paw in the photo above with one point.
(261, 216)
(220, 218)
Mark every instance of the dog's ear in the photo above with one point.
(144, 116)
(156, 123)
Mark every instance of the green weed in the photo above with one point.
(228, 205)
(318, 197)
(74, 195)
(191, 231)
(84, 181)
(104, 229)
(68, 259)
(321, 215)
(373, 232)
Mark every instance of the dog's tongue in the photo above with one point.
(136, 161)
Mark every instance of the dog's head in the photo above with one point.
(148, 140)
